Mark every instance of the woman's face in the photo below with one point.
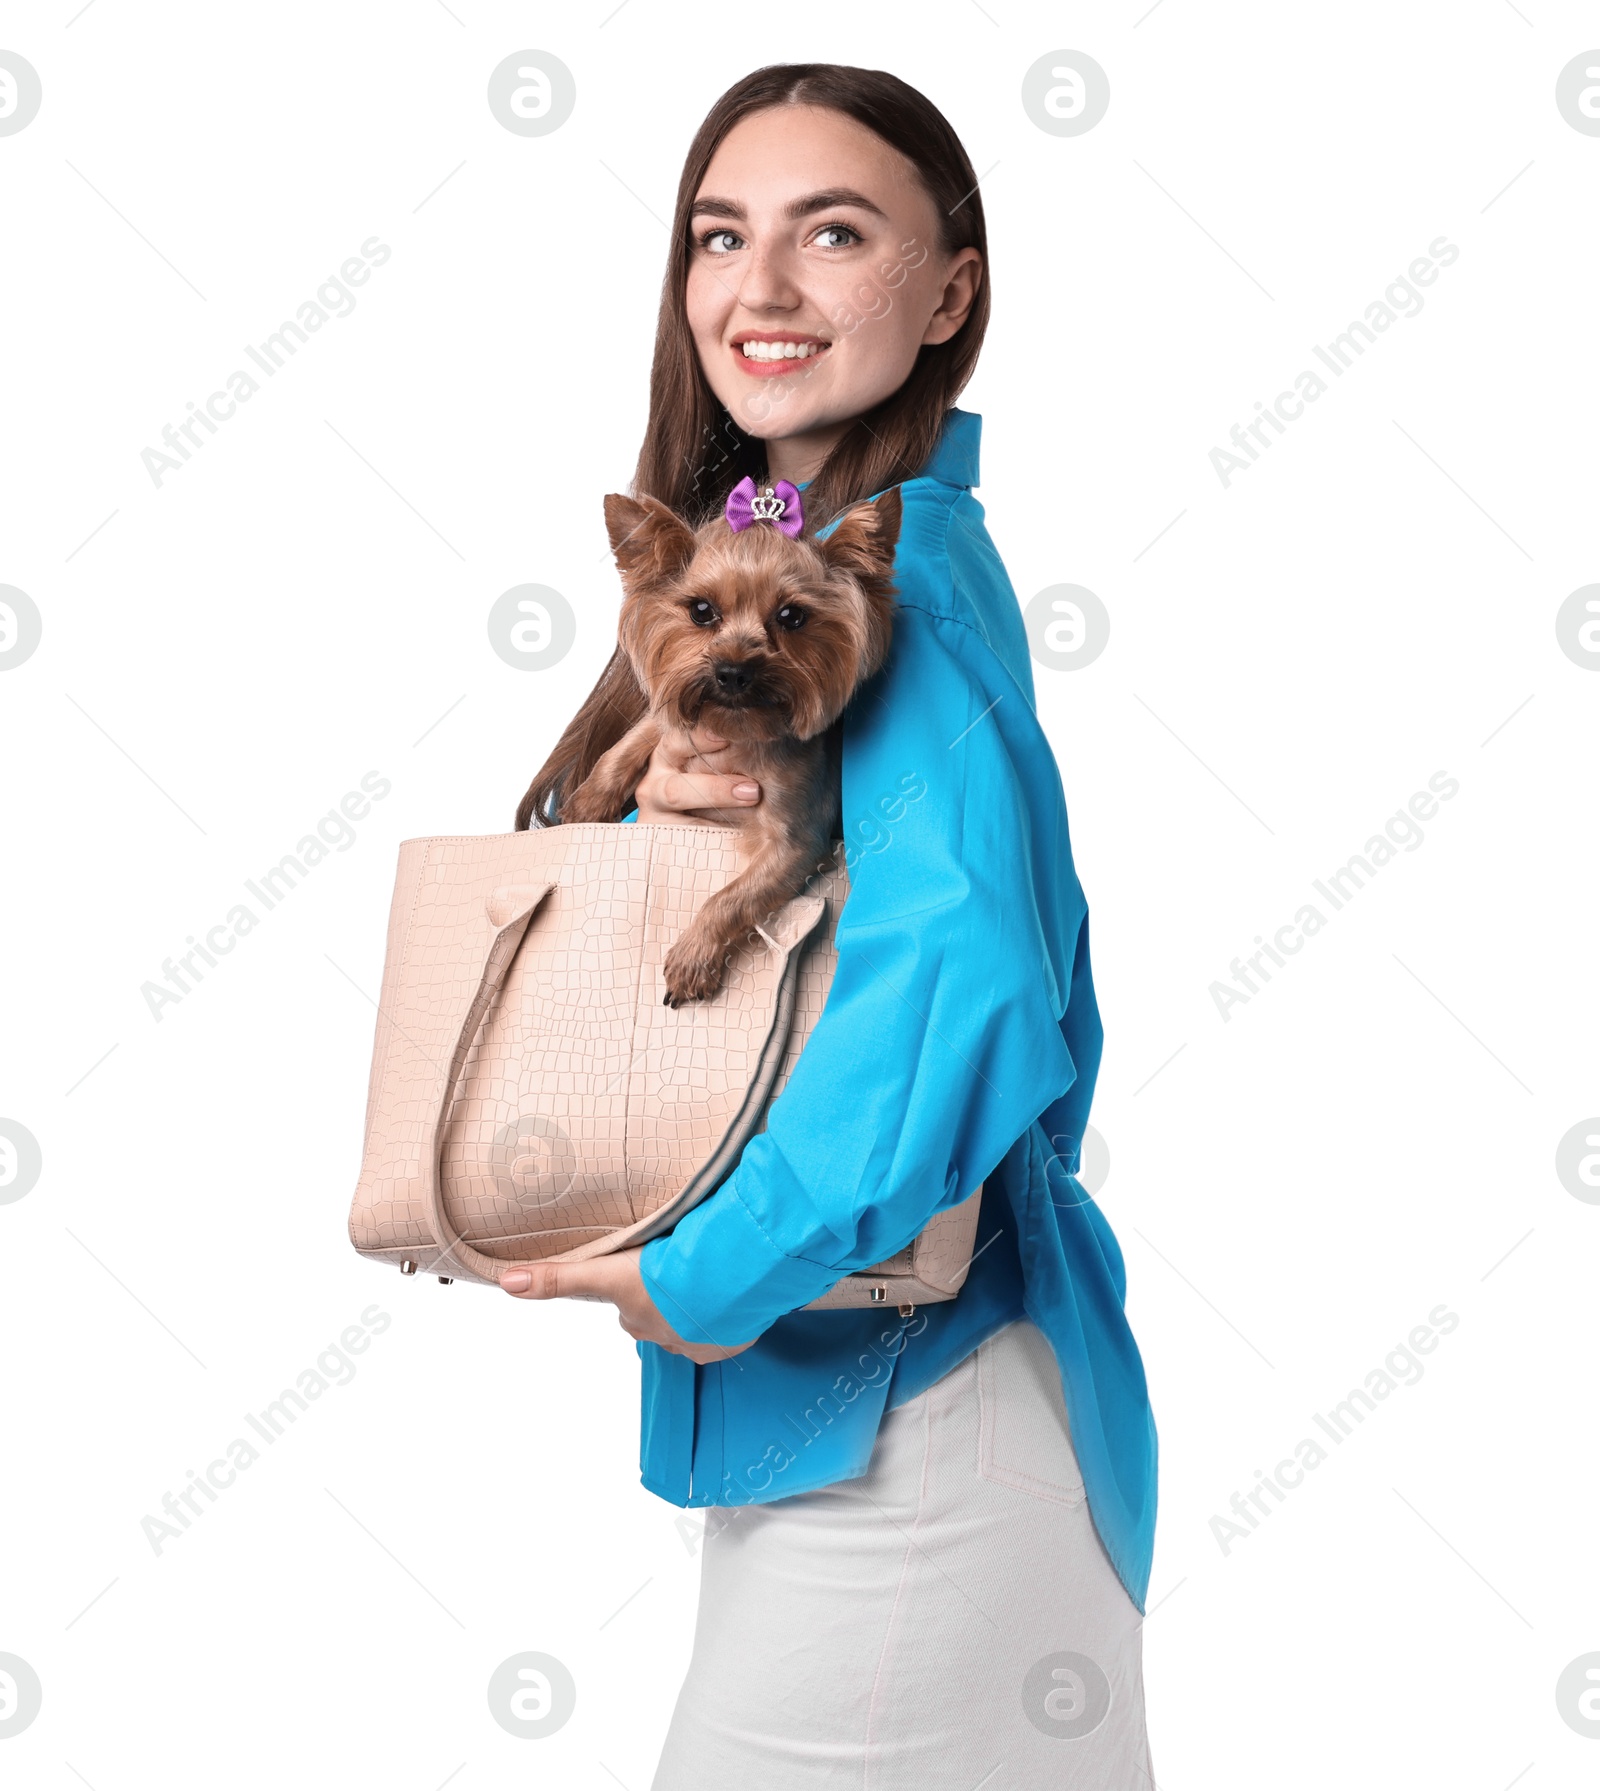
(814, 277)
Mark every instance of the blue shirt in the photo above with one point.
(959, 1044)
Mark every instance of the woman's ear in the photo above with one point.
(963, 277)
(650, 542)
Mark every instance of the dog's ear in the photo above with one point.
(864, 542)
(649, 541)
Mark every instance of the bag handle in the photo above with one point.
(510, 910)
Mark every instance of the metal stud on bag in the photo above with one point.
(445, 1280)
(408, 1267)
(878, 1294)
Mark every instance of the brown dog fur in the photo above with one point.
(771, 687)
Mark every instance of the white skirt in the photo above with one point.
(947, 1622)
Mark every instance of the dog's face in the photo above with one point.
(756, 635)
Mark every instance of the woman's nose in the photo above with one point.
(769, 283)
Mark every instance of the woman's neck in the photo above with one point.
(800, 457)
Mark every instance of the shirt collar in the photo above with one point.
(954, 460)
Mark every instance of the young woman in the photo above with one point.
(932, 1564)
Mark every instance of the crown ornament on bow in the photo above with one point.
(778, 504)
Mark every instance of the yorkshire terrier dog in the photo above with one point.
(763, 635)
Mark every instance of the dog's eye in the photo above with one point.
(790, 616)
(702, 613)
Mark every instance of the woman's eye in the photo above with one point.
(842, 231)
(701, 613)
(720, 242)
(791, 616)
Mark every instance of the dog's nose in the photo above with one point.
(733, 676)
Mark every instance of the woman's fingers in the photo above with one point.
(684, 790)
(691, 774)
(614, 1278)
(664, 793)
(554, 1281)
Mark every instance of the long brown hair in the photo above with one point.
(694, 453)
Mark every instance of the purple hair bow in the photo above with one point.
(778, 504)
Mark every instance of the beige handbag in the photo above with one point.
(531, 1097)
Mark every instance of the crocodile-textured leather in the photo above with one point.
(532, 1098)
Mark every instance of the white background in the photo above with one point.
(224, 656)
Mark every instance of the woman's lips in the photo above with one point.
(776, 369)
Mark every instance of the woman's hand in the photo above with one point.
(615, 1278)
(690, 778)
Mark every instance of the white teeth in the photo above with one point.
(781, 351)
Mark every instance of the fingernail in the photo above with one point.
(516, 1281)
(746, 792)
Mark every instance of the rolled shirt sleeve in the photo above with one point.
(942, 1037)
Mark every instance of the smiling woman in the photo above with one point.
(938, 1566)
(779, 283)
(812, 257)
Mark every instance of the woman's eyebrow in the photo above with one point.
(710, 205)
(828, 198)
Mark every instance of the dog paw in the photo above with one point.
(691, 973)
